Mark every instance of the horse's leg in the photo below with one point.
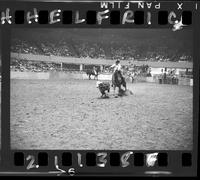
(123, 83)
(114, 89)
(125, 86)
(116, 94)
(119, 89)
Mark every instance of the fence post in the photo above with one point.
(61, 66)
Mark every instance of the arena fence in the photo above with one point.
(55, 75)
(78, 75)
(29, 75)
(90, 61)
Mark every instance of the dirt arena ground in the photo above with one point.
(69, 114)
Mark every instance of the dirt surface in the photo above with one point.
(67, 115)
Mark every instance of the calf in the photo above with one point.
(103, 87)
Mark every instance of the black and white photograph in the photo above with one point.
(101, 89)
(0, 90)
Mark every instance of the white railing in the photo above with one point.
(73, 60)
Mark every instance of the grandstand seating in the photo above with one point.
(86, 49)
(96, 50)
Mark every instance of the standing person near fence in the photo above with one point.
(165, 76)
(95, 70)
(133, 74)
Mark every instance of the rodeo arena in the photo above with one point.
(64, 94)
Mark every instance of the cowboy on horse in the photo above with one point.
(117, 77)
(117, 67)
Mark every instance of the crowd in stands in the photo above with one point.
(98, 50)
(82, 49)
(24, 65)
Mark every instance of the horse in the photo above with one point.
(90, 72)
(118, 81)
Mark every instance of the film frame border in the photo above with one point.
(21, 9)
(7, 162)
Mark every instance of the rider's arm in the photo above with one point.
(112, 66)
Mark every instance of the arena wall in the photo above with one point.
(29, 75)
(91, 61)
(55, 75)
(185, 81)
(77, 75)
(66, 75)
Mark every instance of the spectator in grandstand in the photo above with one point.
(96, 50)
